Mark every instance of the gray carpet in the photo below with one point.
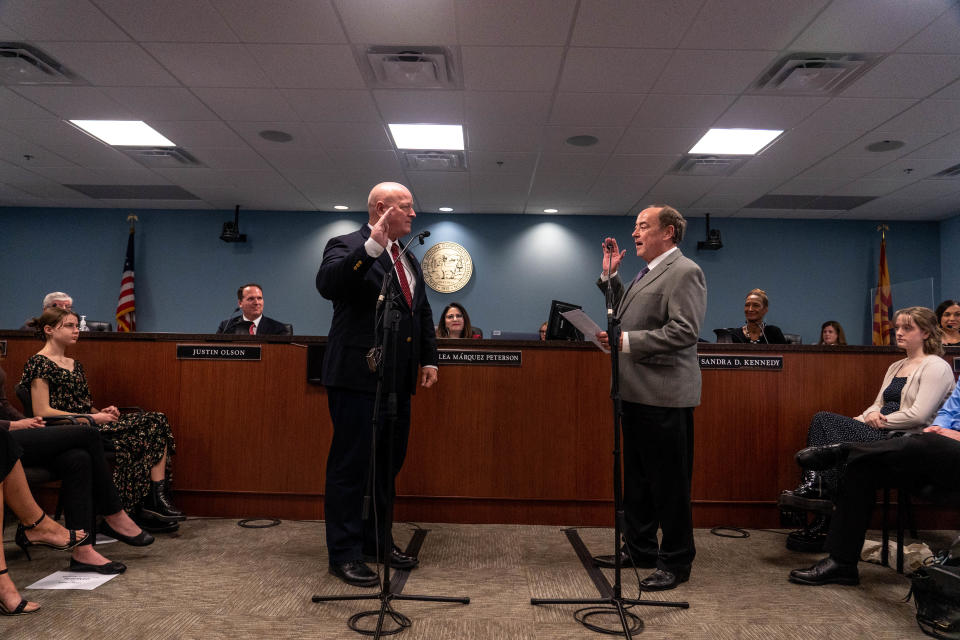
(216, 580)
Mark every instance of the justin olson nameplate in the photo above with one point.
(719, 361)
(217, 352)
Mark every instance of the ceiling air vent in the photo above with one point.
(814, 73)
(22, 64)
(435, 160)
(161, 157)
(133, 191)
(411, 67)
(949, 172)
(708, 165)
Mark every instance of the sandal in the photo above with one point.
(19, 609)
(23, 541)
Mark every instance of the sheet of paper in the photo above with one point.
(72, 580)
(585, 325)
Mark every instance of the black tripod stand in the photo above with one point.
(615, 603)
(390, 323)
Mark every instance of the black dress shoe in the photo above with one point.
(661, 580)
(821, 458)
(398, 559)
(142, 539)
(626, 560)
(827, 571)
(356, 573)
(110, 568)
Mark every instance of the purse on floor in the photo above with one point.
(935, 589)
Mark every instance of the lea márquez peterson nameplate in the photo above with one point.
(217, 352)
(720, 361)
(495, 358)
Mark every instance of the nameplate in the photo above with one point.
(3, 348)
(217, 352)
(956, 365)
(495, 358)
(719, 361)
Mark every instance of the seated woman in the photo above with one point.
(831, 333)
(455, 323)
(46, 532)
(948, 315)
(142, 441)
(543, 331)
(755, 331)
(912, 391)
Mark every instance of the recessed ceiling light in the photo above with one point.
(583, 141)
(885, 145)
(446, 209)
(340, 207)
(123, 133)
(275, 136)
(447, 137)
(550, 210)
(735, 142)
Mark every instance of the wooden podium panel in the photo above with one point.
(513, 444)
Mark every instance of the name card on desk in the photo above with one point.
(719, 361)
(217, 352)
(495, 358)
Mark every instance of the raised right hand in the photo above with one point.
(611, 256)
(381, 230)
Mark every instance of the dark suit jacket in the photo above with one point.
(350, 278)
(771, 335)
(267, 327)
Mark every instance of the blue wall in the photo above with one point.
(813, 270)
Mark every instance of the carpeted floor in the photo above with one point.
(215, 580)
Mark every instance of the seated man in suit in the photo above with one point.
(251, 320)
(52, 299)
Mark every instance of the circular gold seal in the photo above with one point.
(447, 267)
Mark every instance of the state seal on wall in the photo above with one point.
(447, 267)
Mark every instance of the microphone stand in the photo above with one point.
(389, 321)
(630, 622)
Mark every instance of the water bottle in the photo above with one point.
(83, 324)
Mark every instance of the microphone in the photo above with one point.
(383, 289)
(422, 235)
(610, 245)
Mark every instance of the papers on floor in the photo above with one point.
(585, 325)
(72, 580)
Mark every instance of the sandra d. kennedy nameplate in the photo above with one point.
(721, 361)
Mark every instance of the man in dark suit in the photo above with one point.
(252, 321)
(351, 274)
(660, 314)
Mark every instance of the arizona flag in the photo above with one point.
(126, 316)
(882, 301)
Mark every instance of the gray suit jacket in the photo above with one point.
(662, 314)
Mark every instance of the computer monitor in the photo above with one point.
(99, 325)
(558, 327)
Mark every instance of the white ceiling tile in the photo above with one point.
(748, 187)
(75, 103)
(303, 137)
(950, 92)
(505, 107)
(247, 104)
(490, 137)
(233, 159)
(871, 187)
(712, 202)
(681, 191)
(16, 107)
(659, 141)
(612, 70)
(768, 112)
(29, 155)
(160, 103)
(80, 175)
(494, 22)
(556, 190)
(787, 214)
(925, 190)
(210, 65)
(846, 167)
(192, 134)
(881, 207)
(308, 66)
(286, 21)
(58, 20)
(433, 107)
(810, 186)
(297, 159)
(913, 140)
(585, 164)
(867, 25)
(500, 162)
(712, 71)
(601, 109)
(110, 63)
(947, 147)
(633, 23)
(10, 174)
(314, 105)
(351, 135)
(637, 165)
(941, 36)
(412, 22)
(909, 167)
(169, 21)
(511, 68)
(434, 189)
(197, 176)
(370, 161)
(496, 188)
(856, 114)
(496, 208)
(937, 116)
(749, 25)
(621, 192)
(906, 76)
(664, 111)
(555, 138)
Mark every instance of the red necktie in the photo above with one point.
(402, 275)
(253, 329)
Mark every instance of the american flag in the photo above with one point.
(126, 316)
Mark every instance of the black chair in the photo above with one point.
(288, 329)
(99, 325)
(793, 338)
(724, 336)
(23, 395)
(904, 518)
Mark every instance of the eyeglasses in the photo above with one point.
(453, 316)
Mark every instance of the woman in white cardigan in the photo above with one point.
(911, 394)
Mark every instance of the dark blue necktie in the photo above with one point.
(642, 273)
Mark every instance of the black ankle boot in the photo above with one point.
(813, 537)
(158, 505)
(810, 486)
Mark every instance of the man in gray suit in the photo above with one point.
(660, 313)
